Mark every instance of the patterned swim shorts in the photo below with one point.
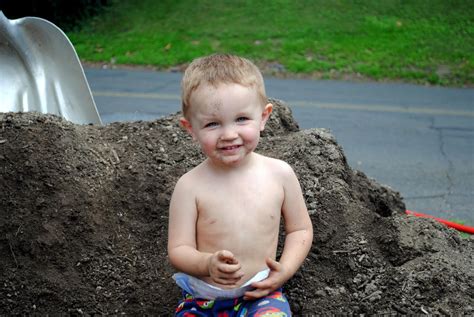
(273, 305)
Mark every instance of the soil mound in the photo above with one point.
(84, 210)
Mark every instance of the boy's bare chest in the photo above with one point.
(240, 201)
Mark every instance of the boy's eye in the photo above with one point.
(242, 119)
(210, 125)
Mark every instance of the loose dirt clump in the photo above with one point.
(84, 213)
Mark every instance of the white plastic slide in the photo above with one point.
(40, 71)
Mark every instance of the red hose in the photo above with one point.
(450, 224)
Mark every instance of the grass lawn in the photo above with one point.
(422, 41)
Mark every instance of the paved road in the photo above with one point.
(418, 140)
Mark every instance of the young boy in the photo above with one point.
(225, 213)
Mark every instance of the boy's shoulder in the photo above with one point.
(276, 165)
(192, 174)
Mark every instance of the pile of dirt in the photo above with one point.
(84, 212)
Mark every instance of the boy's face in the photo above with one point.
(226, 121)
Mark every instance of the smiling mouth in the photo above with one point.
(230, 148)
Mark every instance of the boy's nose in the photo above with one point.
(228, 133)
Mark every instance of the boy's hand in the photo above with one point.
(224, 268)
(275, 279)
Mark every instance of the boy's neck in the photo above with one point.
(231, 168)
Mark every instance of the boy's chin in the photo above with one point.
(229, 161)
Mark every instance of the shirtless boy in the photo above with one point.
(225, 213)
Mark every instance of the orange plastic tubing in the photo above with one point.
(450, 224)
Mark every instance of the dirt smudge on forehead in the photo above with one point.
(84, 214)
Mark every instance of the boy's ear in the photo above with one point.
(265, 115)
(187, 125)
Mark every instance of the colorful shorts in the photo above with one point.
(273, 305)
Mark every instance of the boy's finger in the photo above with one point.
(229, 278)
(234, 275)
(255, 294)
(229, 268)
(273, 265)
(226, 256)
(226, 281)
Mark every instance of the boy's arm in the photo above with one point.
(298, 238)
(182, 250)
(298, 226)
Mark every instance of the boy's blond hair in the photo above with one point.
(219, 69)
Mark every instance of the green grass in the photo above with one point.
(423, 41)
